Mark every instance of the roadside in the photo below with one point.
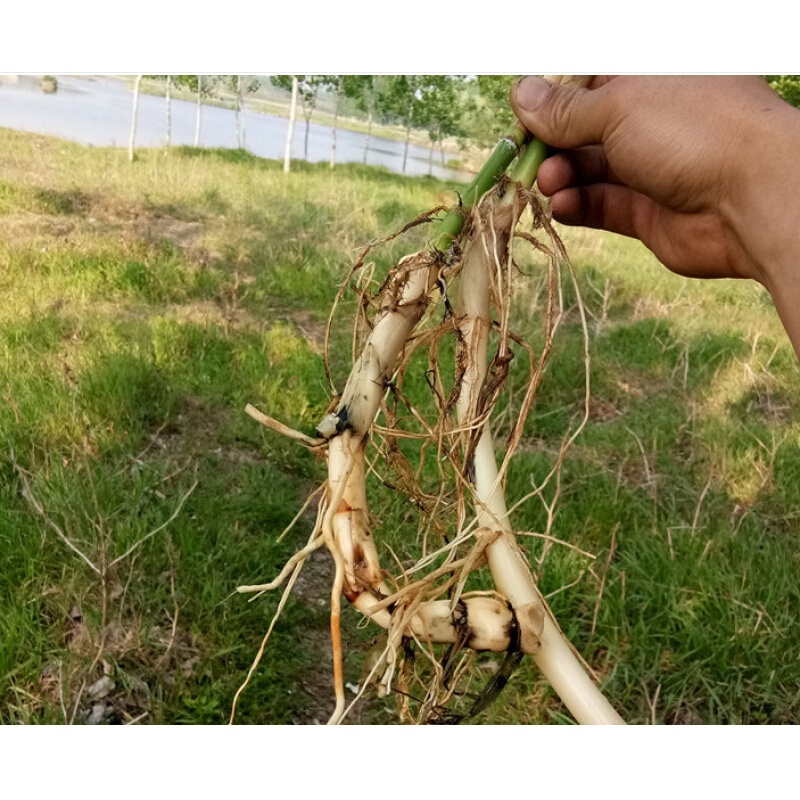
(275, 102)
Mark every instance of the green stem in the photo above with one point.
(527, 167)
(504, 153)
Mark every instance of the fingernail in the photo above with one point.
(530, 92)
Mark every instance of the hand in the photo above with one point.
(672, 161)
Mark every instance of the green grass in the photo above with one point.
(143, 305)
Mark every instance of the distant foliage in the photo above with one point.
(441, 106)
(242, 83)
(434, 103)
(486, 113)
(362, 89)
(787, 86)
(307, 86)
(427, 102)
(472, 109)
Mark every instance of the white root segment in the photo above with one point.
(404, 302)
(279, 427)
(509, 568)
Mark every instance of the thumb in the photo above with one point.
(560, 115)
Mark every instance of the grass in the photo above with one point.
(144, 305)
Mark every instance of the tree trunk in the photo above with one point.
(369, 134)
(168, 97)
(405, 151)
(240, 131)
(133, 116)
(308, 116)
(335, 123)
(287, 158)
(409, 119)
(199, 110)
(430, 159)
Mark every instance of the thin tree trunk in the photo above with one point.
(308, 123)
(369, 135)
(287, 157)
(409, 120)
(199, 110)
(405, 151)
(240, 132)
(335, 124)
(430, 159)
(133, 116)
(168, 97)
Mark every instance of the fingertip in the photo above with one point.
(528, 100)
(528, 92)
(555, 173)
(561, 115)
(568, 206)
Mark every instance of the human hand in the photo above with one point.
(675, 161)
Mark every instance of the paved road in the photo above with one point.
(97, 111)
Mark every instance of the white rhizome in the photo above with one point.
(429, 604)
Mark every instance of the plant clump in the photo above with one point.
(439, 372)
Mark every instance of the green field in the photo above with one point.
(144, 304)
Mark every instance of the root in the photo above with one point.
(436, 613)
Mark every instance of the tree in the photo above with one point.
(239, 85)
(335, 84)
(440, 109)
(292, 117)
(199, 110)
(308, 87)
(168, 81)
(487, 113)
(189, 83)
(400, 99)
(204, 86)
(363, 89)
(168, 103)
(136, 86)
(430, 102)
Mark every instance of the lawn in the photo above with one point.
(145, 304)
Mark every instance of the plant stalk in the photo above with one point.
(505, 151)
